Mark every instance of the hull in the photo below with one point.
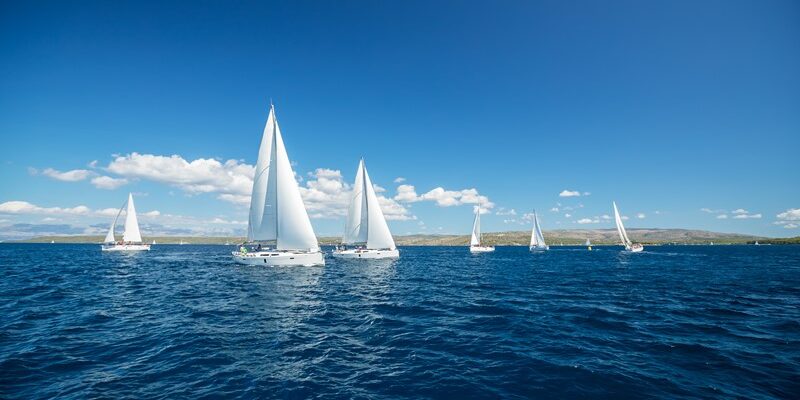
(536, 249)
(125, 247)
(365, 254)
(279, 258)
(635, 248)
(481, 249)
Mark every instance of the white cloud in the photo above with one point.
(26, 208)
(710, 211)
(326, 195)
(567, 215)
(722, 216)
(203, 175)
(406, 194)
(792, 214)
(624, 218)
(23, 207)
(108, 183)
(399, 179)
(554, 209)
(588, 221)
(791, 226)
(503, 211)
(740, 211)
(640, 216)
(569, 193)
(444, 198)
(74, 175)
(605, 216)
(747, 216)
(479, 208)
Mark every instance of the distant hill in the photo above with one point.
(553, 237)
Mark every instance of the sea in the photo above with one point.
(186, 322)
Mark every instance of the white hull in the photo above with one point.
(279, 258)
(125, 247)
(537, 249)
(366, 253)
(481, 249)
(635, 248)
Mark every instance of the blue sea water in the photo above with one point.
(184, 321)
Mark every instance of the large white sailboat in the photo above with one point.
(475, 241)
(131, 237)
(279, 232)
(537, 239)
(366, 234)
(623, 236)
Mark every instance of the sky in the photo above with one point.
(686, 113)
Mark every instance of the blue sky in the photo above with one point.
(669, 108)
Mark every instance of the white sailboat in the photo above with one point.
(131, 237)
(537, 239)
(475, 241)
(623, 236)
(278, 218)
(588, 244)
(365, 230)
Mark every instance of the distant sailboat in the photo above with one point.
(589, 244)
(537, 239)
(365, 229)
(278, 216)
(475, 241)
(756, 243)
(154, 242)
(623, 236)
(52, 241)
(131, 237)
(181, 242)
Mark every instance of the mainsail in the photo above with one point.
(623, 236)
(365, 220)
(537, 239)
(475, 240)
(131, 234)
(277, 211)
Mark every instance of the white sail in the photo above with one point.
(366, 223)
(378, 234)
(263, 223)
(537, 238)
(131, 233)
(475, 240)
(277, 211)
(356, 227)
(110, 235)
(588, 242)
(623, 236)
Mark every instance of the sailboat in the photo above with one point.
(623, 236)
(537, 239)
(475, 240)
(278, 218)
(365, 229)
(131, 237)
(589, 244)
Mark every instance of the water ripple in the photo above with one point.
(184, 321)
